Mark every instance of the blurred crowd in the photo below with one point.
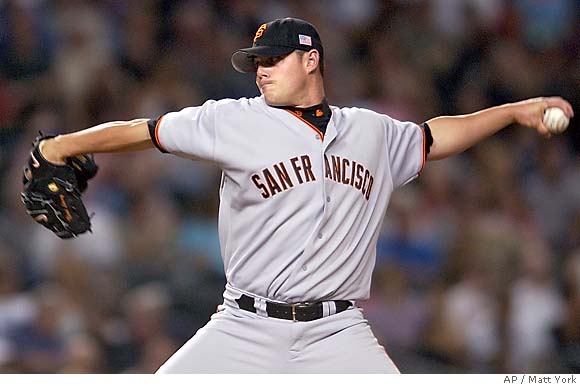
(478, 262)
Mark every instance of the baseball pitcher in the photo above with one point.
(305, 187)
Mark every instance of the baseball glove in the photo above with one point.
(52, 193)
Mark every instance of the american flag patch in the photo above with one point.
(305, 40)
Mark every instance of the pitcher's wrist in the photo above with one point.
(49, 150)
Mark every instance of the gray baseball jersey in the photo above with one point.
(300, 211)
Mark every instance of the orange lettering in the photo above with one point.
(358, 183)
(259, 185)
(336, 168)
(297, 169)
(352, 173)
(283, 175)
(307, 165)
(67, 214)
(369, 188)
(260, 32)
(345, 164)
(327, 168)
(364, 187)
(272, 184)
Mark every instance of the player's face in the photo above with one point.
(281, 79)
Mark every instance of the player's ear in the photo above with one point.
(312, 58)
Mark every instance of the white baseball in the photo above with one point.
(555, 120)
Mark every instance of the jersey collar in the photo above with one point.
(318, 115)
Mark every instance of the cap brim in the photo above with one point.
(243, 60)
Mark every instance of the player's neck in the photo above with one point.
(309, 102)
(313, 95)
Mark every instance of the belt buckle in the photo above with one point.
(298, 305)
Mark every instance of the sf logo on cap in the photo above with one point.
(260, 32)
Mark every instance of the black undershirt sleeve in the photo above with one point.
(152, 124)
(428, 137)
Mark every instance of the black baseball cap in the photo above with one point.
(278, 37)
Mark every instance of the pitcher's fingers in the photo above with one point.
(561, 103)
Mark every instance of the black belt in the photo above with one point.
(301, 312)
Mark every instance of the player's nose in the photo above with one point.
(261, 72)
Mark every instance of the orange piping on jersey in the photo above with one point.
(424, 151)
(157, 133)
(308, 123)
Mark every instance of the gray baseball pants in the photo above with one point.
(238, 341)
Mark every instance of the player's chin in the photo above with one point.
(272, 99)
